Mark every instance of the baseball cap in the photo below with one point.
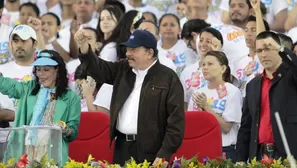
(24, 32)
(141, 38)
(44, 59)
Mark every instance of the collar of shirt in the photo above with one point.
(142, 73)
(265, 77)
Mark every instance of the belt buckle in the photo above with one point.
(128, 137)
(270, 147)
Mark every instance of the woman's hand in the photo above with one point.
(34, 23)
(216, 44)
(200, 99)
(88, 86)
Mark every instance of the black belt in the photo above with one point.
(270, 147)
(127, 137)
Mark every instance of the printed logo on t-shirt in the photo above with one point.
(179, 60)
(196, 80)
(217, 105)
(83, 100)
(291, 3)
(7, 20)
(3, 46)
(251, 69)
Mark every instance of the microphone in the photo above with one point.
(284, 139)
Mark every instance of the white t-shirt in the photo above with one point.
(246, 69)
(17, 72)
(161, 5)
(4, 38)
(192, 79)
(63, 41)
(177, 54)
(10, 18)
(228, 105)
(103, 97)
(234, 42)
(71, 67)
(167, 62)
(212, 19)
(109, 52)
(293, 34)
(273, 7)
(5, 103)
(143, 8)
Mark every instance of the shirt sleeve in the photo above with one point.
(232, 112)
(183, 82)
(278, 6)
(224, 6)
(6, 103)
(109, 53)
(103, 97)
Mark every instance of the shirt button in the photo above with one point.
(255, 140)
(257, 125)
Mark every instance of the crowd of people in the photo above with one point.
(144, 63)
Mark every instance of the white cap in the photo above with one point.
(24, 32)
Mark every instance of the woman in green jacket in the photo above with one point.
(44, 101)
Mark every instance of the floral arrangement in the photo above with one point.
(177, 163)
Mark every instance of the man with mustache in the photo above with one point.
(22, 45)
(239, 12)
(272, 91)
(6, 110)
(147, 105)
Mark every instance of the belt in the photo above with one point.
(270, 147)
(127, 137)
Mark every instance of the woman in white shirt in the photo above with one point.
(170, 45)
(209, 39)
(109, 18)
(51, 25)
(220, 98)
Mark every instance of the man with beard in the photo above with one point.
(22, 45)
(6, 110)
(239, 12)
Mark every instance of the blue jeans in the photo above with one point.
(230, 152)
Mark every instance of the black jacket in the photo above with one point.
(282, 99)
(161, 115)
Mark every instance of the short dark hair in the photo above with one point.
(194, 25)
(153, 15)
(57, 20)
(285, 40)
(253, 19)
(223, 60)
(217, 34)
(32, 5)
(117, 4)
(156, 27)
(247, 2)
(266, 34)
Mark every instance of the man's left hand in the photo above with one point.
(158, 161)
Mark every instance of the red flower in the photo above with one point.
(267, 161)
(23, 161)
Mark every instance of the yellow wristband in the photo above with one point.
(63, 124)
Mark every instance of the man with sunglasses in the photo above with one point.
(273, 91)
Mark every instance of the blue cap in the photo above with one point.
(141, 38)
(44, 59)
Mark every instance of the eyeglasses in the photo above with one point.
(266, 49)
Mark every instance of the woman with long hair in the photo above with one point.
(109, 18)
(192, 78)
(220, 98)
(44, 101)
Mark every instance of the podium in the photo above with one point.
(35, 141)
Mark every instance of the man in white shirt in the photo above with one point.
(23, 43)
(141, 7)
(146, 112)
